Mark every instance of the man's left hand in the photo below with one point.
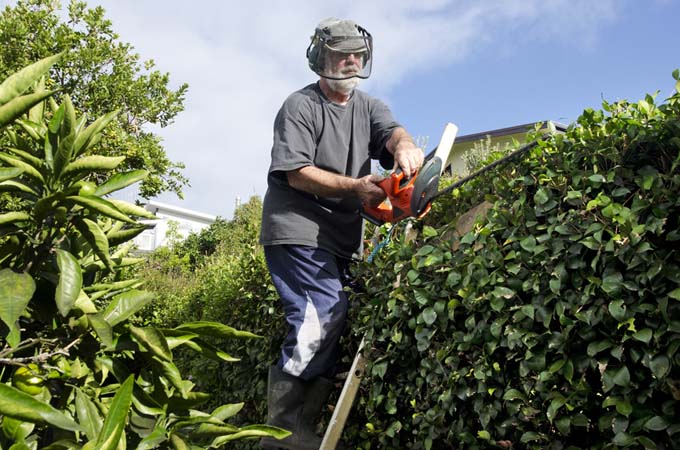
(408, 157)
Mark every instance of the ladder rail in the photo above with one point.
(336, 425)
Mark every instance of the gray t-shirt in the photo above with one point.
(310, 130)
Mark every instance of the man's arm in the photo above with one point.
(314, 180)
(407, 155)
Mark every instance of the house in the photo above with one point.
(501, 137)
(172, 223)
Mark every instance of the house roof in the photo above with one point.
(158, 207)
(506, 131)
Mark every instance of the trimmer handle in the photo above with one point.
(397, 205)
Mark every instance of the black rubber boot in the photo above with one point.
(316, 394)
(285, 401)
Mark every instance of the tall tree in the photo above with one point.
(99, 73)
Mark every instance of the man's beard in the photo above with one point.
(344, 87)
(347, 85)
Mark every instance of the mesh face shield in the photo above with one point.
(340, 51)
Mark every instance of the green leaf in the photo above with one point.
(114, 424)
(251, 431)
(624, 407)
(96, 204)
(103, 329)
(125, 235)
(210, 430)
(15, 108)
(429, 231)
(210, 351)
(70, 281)
(17, 430)
(85, 304)
(225, 412)
(69, 123)
(612, 282)
(16, 291)
(623, 439)
(530, 436)
(644, 335)
(19, 82)
(622, 377)
(153, 340)
(21, 406)
(596, 347)
(85, 139)
(120, 181)
(88, 415)
(429, 315)
(93, 163)
(514, 394)
(7, 173)
(675, 294)
(528, 243)
(542, 196)
(25, 156)
(12, 217)
(132, 210)
(63, 156)
(94, 235)
(656, 423)
(25, 167)
(154, 439)
(660, 366)
(124, 305)
(618, 310)
(173, 375)
(11, 185)
(502, 291)
(554, 406)
(214, 329)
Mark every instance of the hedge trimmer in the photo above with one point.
(413, 197)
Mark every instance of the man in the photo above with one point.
(324, 138)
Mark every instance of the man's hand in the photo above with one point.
(407, 155)
(408, 158)
(368, 191)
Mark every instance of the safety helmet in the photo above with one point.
(334, 39)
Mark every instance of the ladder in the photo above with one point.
(349, 391)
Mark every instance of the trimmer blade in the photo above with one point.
(425, 185)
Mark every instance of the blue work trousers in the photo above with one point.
(310, 283)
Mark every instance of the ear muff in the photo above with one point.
(313, 54)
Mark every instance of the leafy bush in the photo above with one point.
(76, 373)
(555, 322)
(100, 73)
(227, 282)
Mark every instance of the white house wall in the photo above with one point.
(186, 221)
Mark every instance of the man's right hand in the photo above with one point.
(368, 191)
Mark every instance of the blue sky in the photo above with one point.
(513, 79)
(482, 64)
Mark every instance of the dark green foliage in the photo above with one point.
(555, 323)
